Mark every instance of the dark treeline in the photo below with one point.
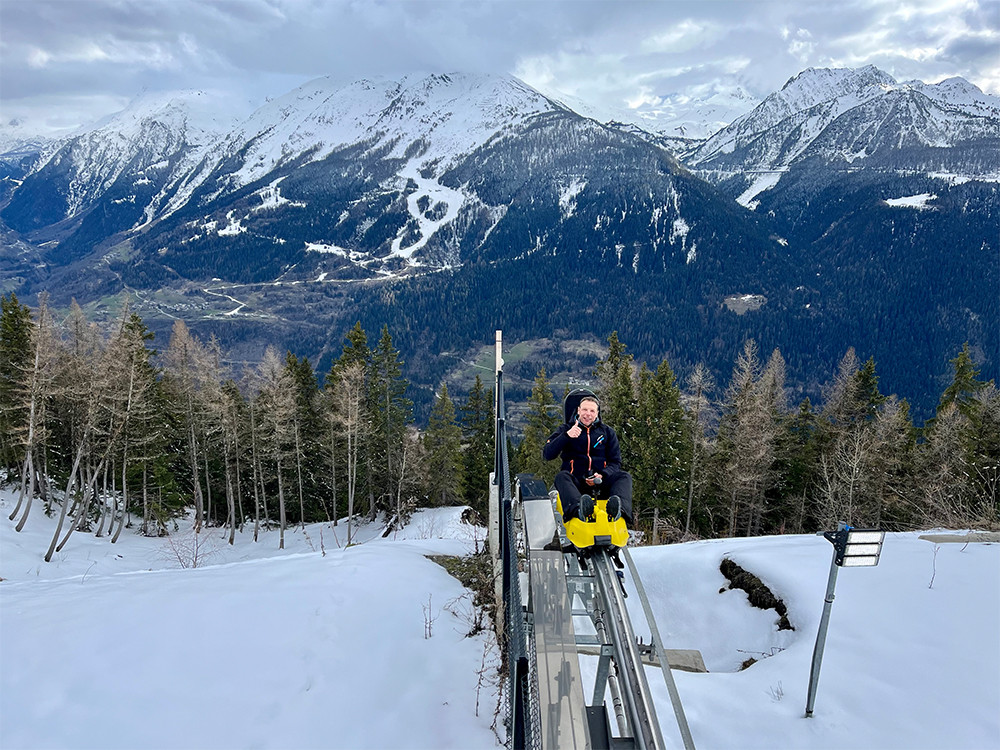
(104, 431)
(737, 459)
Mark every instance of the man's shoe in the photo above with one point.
(586, 507)
(614, 508)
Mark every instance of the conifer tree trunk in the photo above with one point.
(281, 506)
(65, 505)
(239, 478)
(230, 498)
(199, 503)
(298, 474)
(255, 468)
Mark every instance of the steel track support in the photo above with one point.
(635, 689)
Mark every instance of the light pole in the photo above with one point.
(852, 548)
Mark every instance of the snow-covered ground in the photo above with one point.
(321, 646)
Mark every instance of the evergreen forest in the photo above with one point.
(104, 430)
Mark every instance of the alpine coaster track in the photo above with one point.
(544, 585)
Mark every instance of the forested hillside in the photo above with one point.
(849, 209)
(106, 428)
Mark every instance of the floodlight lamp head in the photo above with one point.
(856, 548)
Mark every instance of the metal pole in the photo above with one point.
(824, 623)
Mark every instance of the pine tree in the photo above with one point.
(391, 413)
(849, 465)
(965, 383)
(142, 435)
(15, 360)
(443, 445)
(542, 420)
(478, 426)
(355, 360)
(699, 408)
(616, 374)
(661, 443)
(747, 435)
(307, 434)
(796, 454)
(959, 463)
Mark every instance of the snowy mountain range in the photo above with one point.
(857, 119)
(293, 210)
(377, 177)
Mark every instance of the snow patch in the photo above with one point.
(763, 182)
(679, 228)
(432, 206)
(319, 247)
(567, 198)
(270, 197)
(233, 228)
(918, 202)
(741, 303)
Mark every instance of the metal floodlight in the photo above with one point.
(852, 548)
(856, 548)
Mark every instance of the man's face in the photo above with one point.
(587, 412)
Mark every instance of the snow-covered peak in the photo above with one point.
(197, 116)
(789, 121)
(957, 93)
(153, 132)
(16, 139)
(837, 88)
(814, 85)
(428, 117)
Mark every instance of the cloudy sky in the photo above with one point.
(64, 63)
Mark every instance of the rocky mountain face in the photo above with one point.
(449, 206)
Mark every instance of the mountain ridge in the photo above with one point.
(429, 200)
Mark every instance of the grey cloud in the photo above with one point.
(594, 47)
(972, 48)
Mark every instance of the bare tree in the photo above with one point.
(958, 480)
(331, 444)
(698, 406)
(259, 498)
(748, 432)
(185, 363)
(843, 472)
(277, 401)
(84, 390)
(131, 391)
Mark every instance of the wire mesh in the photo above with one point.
(523, 710)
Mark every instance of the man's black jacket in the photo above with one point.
(596, 449)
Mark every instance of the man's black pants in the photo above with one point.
(570, 488)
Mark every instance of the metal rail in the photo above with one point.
(642, 722)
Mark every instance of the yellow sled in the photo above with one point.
(599, 532)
